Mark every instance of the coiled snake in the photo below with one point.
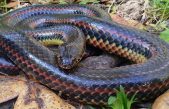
(149, 76)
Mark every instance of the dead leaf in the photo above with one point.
(30, 95)
(162, 102)
(9, 88)
(40, 1)
(130, 23)
(12, 4)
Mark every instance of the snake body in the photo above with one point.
(148, 77)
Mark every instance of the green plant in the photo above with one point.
(158, 13)
(2, 5)
(112, 9)
(161, 9)
(62, 2)
(88, 1)
(165, 35)
(121, 100)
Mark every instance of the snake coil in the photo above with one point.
(149, 76)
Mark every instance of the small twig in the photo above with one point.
(110, 7)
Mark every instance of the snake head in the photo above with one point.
(68, 56)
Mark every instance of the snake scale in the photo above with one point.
(148, 77)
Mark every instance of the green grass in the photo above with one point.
(62, 2)
(165, 35)
(161, 9)
(81, 2)
(120, 101)
(158, 13)
(89, 1)
(2, 4)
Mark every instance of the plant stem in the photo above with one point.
(165, 8)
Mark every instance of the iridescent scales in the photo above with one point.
(119, 50)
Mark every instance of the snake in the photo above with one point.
(23, 47)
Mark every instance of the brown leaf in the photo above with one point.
(40, 1)
(30, 95)
(9, 88)
(12, 4)
(130, 23)
(162, 102)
